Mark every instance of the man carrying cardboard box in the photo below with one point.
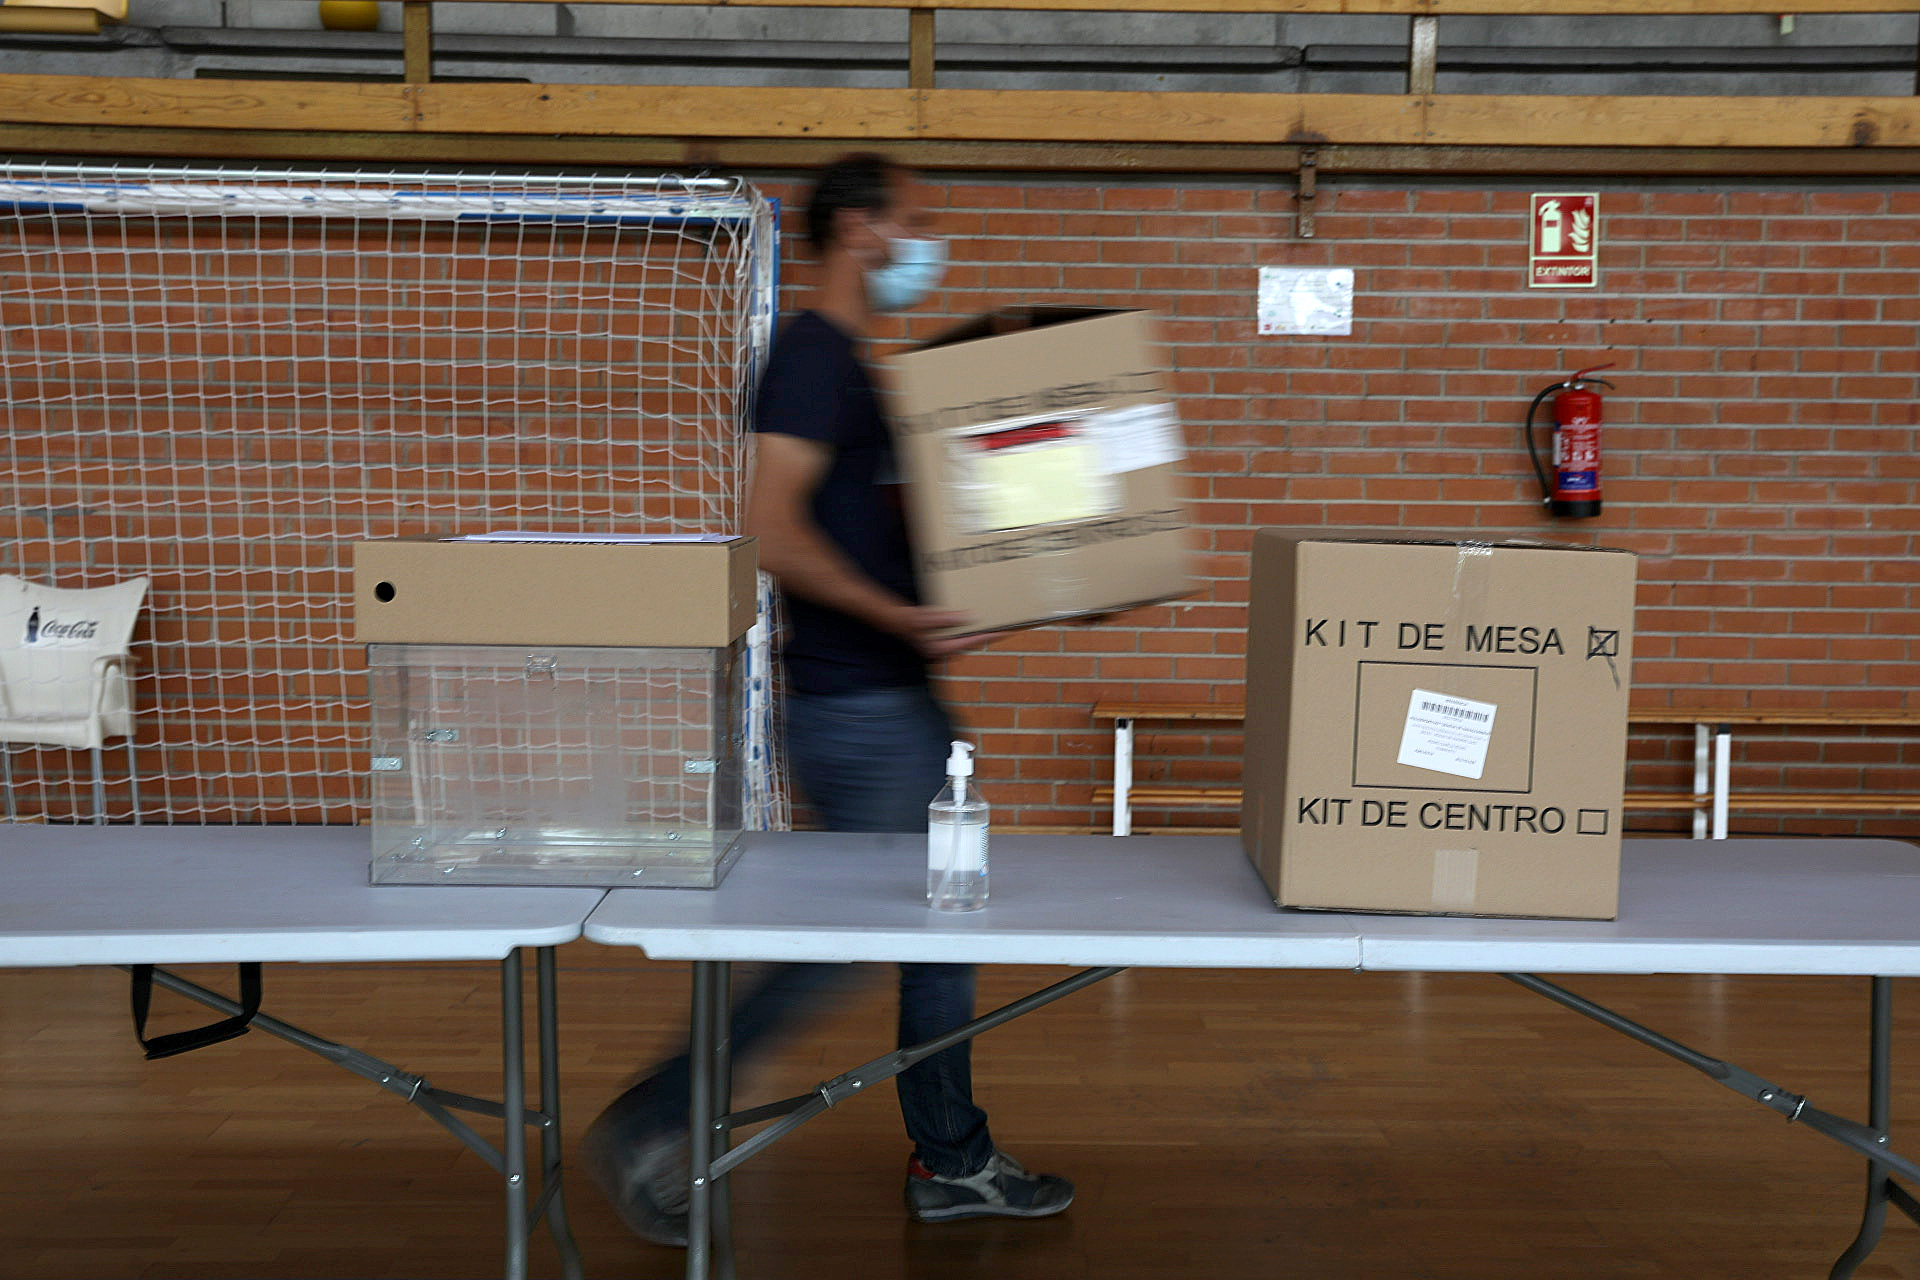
(866, 737)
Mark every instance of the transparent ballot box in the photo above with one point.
(508, 764)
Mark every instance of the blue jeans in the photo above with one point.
(867, 761)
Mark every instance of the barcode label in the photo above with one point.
(1447, 734)
(1457, 710)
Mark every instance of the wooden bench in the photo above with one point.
(1713, 796)
(1711, 799)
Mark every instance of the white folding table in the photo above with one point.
(1735, 906)
(148, 896)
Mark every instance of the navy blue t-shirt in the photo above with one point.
(816, 388)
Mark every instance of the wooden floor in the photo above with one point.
(1237, 1124)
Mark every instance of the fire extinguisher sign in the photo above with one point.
(1565, 244)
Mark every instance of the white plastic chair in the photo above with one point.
(64, 671)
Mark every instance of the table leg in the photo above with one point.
(1881, 1189)
(509, 1160)
(1122, 777)
(722, 1189)
(708, 1030)
(710, 1118)
(1869, 1140)
(513, 1101)
(788, 1114)
(552, 1172)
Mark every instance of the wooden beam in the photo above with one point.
(1625, 162)
(967, 115)
(1442, 120)
(871, 114)
(205, 104)
(417, 40)
(744, 154)
(1075, 116)
(1493, 120)
(920, 28)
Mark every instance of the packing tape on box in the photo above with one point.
(1472, 582)
(1456, 879)
(1063, 592)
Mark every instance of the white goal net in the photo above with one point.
(218, 380)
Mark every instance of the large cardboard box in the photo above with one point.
(685, 592)
(1043, 457)
(1436, 724)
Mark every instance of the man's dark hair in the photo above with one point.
(858, 181)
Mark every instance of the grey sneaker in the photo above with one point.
(644, 1181)
(1002, 1189)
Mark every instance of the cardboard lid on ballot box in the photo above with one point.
(661, 591)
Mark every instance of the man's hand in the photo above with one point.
(920, 626)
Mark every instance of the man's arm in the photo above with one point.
(806, 563)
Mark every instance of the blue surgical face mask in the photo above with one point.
(912, 269)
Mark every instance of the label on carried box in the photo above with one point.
(1138, 437)
(1032, 471)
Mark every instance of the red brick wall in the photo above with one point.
(1759, 447)
(1759, 458)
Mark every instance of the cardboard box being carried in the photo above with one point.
(1042, 457)
(695, 591)
(1436, 724)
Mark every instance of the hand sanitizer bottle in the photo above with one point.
(957, 839)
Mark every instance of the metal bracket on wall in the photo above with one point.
(1308, 192)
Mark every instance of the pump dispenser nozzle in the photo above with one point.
(960, 763)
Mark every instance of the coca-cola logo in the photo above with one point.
(44, 629)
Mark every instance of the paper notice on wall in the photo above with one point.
(1137, 437)
(1447, 734)
(1307, 300)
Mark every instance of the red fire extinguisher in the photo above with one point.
(1574, 489)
